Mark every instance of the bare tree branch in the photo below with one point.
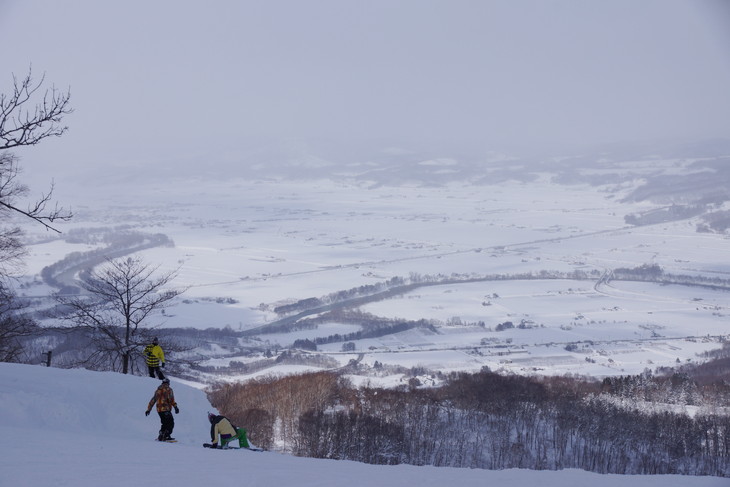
(11, 189)
(27, 116)
(23, 126)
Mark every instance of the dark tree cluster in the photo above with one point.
(371, 326)
(716, 221)
(667, 214)
(483, 420)
(15, 327)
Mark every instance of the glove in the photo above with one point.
(177, 410)
(162, 365)
(146, 413)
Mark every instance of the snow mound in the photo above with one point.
(95, 403)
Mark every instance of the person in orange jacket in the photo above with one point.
(165, 399)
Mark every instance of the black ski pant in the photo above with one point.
(168, 423)
(155, 370)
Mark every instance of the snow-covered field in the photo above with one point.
(80, 428)
(244, 247)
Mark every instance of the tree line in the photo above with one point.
(480, 420)
(400, 285)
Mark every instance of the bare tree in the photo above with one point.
(28, 115)
(123, 297)
(21, 126)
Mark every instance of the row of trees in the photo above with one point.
(481, 420)
(371, 326)
(15, 326)
(398, 285)
(670, 213)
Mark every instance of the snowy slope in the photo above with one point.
(81, 428)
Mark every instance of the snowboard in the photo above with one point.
(210, 445)
(166, 441)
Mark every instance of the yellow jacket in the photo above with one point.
(153, 355)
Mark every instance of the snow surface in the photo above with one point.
(80, 428)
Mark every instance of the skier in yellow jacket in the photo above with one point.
(155, 358)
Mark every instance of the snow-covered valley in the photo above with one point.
(533, 253)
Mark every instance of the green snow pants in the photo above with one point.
(240, 434)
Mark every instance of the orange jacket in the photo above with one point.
(164, 398)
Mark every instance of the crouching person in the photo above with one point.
(221, 427)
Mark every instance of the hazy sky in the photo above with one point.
(162, 79)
